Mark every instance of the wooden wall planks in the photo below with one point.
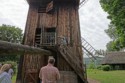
(65, 19)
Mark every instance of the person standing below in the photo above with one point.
(10, 72)
(4, 76)
(49, 73)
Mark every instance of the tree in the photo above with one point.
(11, 34)
(112, 32)
(116, 30)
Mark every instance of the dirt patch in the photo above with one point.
(92, 81)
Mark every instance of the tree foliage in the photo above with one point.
(11, 34)
(116, 30)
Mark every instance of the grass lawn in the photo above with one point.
(117, 76)
(14, 79)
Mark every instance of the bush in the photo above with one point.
(99, 67)
(91, 66)
(106, 67)
(4, 58)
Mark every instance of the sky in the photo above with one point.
(93, 20)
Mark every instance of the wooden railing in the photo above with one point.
(48, 39)
(45, 39)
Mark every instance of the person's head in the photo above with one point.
(4, 68)
(51, 60)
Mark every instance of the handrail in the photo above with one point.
(45, 39)
(48, 38)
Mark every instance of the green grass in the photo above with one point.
(14, 79)
(102, 76)
(107, 76)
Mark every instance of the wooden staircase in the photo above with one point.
(74, 62)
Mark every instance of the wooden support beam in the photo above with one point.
(7, 48)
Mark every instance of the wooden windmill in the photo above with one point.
(53, 25)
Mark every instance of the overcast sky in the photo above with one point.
(93, 20)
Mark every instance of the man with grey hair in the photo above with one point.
(49, 73)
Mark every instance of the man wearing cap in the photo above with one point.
(49, 73)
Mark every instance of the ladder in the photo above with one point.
(89, 49)
(82, 3)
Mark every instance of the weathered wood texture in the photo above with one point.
(47, 20)
(73, 61)
(65, 19)
(32, 21)
(68, 77)
(7, 48)
(68, 26)
(30, 61)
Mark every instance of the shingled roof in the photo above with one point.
(114, 58)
